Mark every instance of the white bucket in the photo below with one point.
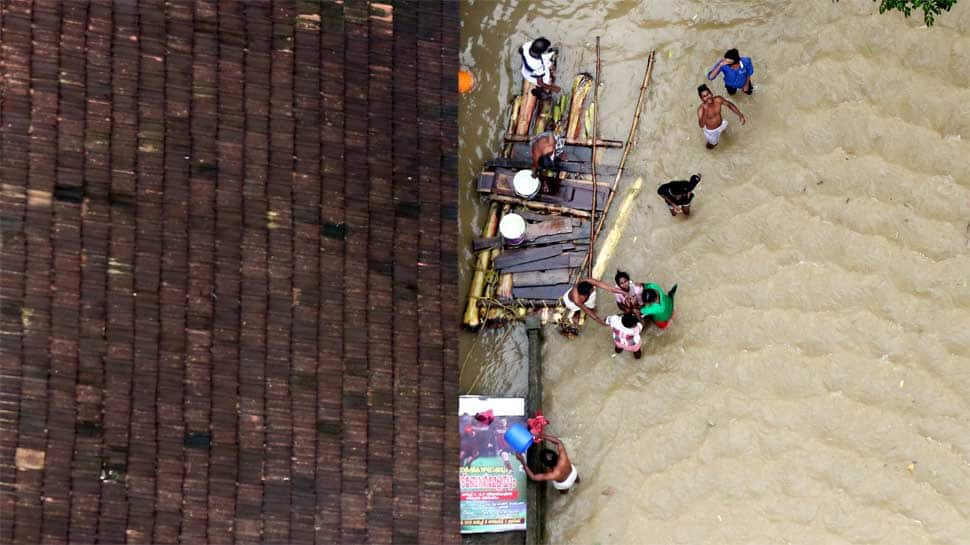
(512, 228)
(525, 184)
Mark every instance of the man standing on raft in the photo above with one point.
(709, 115)
(537, 65)
(546, 154)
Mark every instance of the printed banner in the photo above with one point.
(493, 483)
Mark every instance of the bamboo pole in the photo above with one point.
(596, 109)
(603, 143)
(629, 139)
(482, 263)
(554, 208)
(597, 227)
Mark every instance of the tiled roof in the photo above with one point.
(228, 278)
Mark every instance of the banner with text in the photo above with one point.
(493, 483)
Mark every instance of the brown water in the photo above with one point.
(815, 385)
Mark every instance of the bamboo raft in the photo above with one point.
(511, 282)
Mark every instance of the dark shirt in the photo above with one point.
(678, 191)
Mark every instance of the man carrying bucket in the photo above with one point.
(563, 473)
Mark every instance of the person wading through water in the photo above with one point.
(582, 297)
(709, 115)
(678, 194)
(562, 472)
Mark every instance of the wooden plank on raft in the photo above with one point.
(523, 152)
(588, 142)
(540, 278)
(525, 255)
(481, 243)
(558, 262)
(579, 233)
(541, 292)
(486, 181)
(583, 198)
(529, 215)
(551, 227)
(570, 167)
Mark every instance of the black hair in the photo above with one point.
(548, 161)
(701, 88)
(629, 320)
(584, 288)
(732, 54)
(694, 180)
(539, 46)
(620, 274)
(649, 295)
(549, 457)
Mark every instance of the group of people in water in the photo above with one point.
(639, 304)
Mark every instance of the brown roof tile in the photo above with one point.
(228, 282)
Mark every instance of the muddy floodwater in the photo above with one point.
(814, 386)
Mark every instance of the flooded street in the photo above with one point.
(815, 384)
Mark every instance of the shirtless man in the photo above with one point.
(582, 297)
(563, 473)
(709, 115)
(546, 154)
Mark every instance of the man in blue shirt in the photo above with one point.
(737, 72)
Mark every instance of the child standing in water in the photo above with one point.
(658, 306)
(626, 333)
(632, 299)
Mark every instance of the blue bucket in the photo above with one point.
(519, 437)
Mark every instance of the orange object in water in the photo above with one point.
(466, 81)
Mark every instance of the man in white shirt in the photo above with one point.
(537, 64)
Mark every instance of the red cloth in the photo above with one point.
(536, 424)
(485, 417)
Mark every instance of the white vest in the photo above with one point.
(534, 69)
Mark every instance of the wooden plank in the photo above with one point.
(552, 208)
(480, 243)
(486, 182)
(558, 262)
(525, 255)
(550, 227)
(540, 278)
(569, 167)
(606, 143)
(578, 234)
(583, 199)
(571, 154)
(541, 292)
